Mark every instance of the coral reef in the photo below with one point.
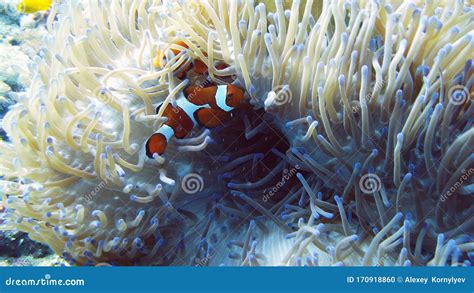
(20, 41)
(16, 244)
(16, 249)
(20, 37)
(358, 150)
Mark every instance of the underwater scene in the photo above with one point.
(236, 133)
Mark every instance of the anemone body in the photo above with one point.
(358, 150)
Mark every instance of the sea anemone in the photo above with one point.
(358, 149)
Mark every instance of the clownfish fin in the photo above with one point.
(159, 61)
(160, 58)
(211, 118)
(156, 144)
(179, 43)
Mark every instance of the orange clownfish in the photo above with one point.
(197, 65)
(196, 105)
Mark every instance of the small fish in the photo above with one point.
(196, 65)
(206, 106)
(32, 6)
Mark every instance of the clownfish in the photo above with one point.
(32, 6)
(196, 65)
(205, 106)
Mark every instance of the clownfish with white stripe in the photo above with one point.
(204, 106)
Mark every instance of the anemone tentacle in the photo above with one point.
(358, 149)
